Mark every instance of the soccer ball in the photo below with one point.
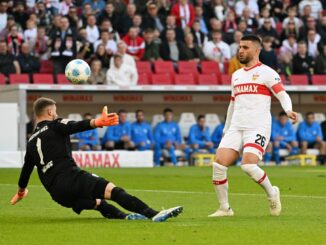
(77, 71)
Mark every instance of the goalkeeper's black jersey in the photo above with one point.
(49, 149)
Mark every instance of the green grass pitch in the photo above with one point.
(39, 220)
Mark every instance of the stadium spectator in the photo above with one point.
(97, 5)
(265, 14)
(229, 27)
(141, 6)
(235, 45)
(137, 22)
(190, 51)
(267, 55)
(14, 40)
(217, 50)
(268, 31)
(20, 15)
(164, 7)
(292, 17)
(320, 67)
(126, 19)
(310, 135)
(8, 62)
(126, 58)
(250, 4)
(63, 46)
(251, 22)
(107, 42)
(218, 10)
(316, 7)
(217, 134)
(302, 62)
(10, 22)
(28, 63)
(215, 25)
(290, 30)
(3, 14)
(88, 140)
(30, 33)
(44, 13)
(184, 13)
(93, 32)
(103, 56)
(55, 25)
(152, 52)
(141, 132)
(152, 19)
(109, 13)
(171, 25)
(40, 48)
(167, 136)
(199, 137)
(119, 7)
(283, 137)
(285, 64)
(135, 44)
(64, 7)
(118, 137)
(87, 11)
(73, 18)
(98, 75)
(242, 27)
(106, 25)
(85, 49)
(200, 18)
(199, 37)
(322, 29)
(170, 49)
(313, 40)
(303, 31)
(120, 73)
(286, 4)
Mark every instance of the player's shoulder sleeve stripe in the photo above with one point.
(278, 87)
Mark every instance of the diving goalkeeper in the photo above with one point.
(50, 150)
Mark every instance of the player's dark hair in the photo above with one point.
(41, 103)
(166, 110)
(309, 113)
(200, 117)
(252, 38)
(282, 114)
(139, 110)
(87, 114)
(122, 111)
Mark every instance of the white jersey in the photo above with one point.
(251, 93)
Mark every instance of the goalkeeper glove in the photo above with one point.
(18, 196)
(106, 119)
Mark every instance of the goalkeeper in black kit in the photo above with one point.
(49, 149)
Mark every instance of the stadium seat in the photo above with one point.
(320, 117)
(144, 67)
(207, 79)
(75, 116)
(283, 79)
(157, 118)
(226, 67)
(43, 78)
(319, 79)
(212, 120)
(208, 67)
(187, 119)
(162, 79)
(164, 67)
(184, 79)
(46, 66)
(19, 79)
(144, 79)
(2, 79)
(131, 117)
(61, 79)
(225, 79)
(299, 80)
(186, 67)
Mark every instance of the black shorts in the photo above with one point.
(76, 184)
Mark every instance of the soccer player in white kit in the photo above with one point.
(248, 124)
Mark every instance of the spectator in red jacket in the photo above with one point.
(184, 13)
(135, 44)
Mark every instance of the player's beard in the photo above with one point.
(245, 60)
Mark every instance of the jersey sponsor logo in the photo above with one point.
(94, 160)
(251, 88)
(38, 132)
(65, 121)
(254, 77)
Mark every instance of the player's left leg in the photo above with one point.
(134, 204)
(254, 147)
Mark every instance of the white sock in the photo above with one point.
(221, 185)
(259, 175)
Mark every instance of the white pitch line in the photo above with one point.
(201, 192)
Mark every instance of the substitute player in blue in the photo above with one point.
(199, 136)
(119, 136)
(88, 140)
(283, 137)
(311, 136)
(141, 133)
(167, 136)
(217, 134)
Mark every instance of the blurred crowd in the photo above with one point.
(112, 35)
